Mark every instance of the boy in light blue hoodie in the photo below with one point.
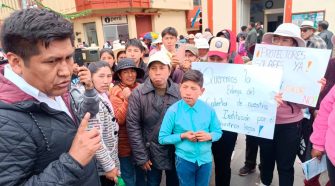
(191, 125)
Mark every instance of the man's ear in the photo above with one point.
(202, 91)
(16, 62)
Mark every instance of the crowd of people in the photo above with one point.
(136, 112)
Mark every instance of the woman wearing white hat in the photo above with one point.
(283, 148)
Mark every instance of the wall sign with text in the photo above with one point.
(114, 20)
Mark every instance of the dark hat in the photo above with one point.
(125, 64)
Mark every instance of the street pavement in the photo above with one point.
(253, 179)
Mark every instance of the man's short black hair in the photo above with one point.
(135, 43)
(244, 28)
(171, 31)
(323, 24)
(23, 30)
(195, 76)
(252, 24)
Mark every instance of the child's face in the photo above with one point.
(190, 92)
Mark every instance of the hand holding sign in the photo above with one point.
(302, 69)
(243, 96)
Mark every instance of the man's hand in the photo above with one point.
(203, 136)
(190, 135)
(147, 166)
(85, 143)
(187, 65)
(85, 77)
(113, 174)
(175, 61)
(317, 154)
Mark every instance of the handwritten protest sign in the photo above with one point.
(302, 69)
(242, 96)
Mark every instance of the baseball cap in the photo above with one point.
(198, 35)
(201, 43)
(158, 40)
(160, 56)
(192, 49)
(219, 47)
(191, 36)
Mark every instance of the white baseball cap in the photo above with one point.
(219, 47)
(198, 35)
(191, 36)
(286, 30)
(201, 43)
(158, 40)
(160, 56)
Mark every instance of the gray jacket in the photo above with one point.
(327, 35)
(251, 39)
(144, 114)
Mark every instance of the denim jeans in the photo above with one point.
(154, 177)
(128, 170)
(281, 150)
(191, 174)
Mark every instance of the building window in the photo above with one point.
(91, 34)
(196, 2)
(116, 32)
(115, 28)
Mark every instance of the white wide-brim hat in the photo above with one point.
(286, 30)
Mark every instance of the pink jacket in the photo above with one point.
(289, 113)
(323, 136)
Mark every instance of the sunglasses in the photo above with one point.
(304, 29)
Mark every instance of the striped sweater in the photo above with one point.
(107, 155)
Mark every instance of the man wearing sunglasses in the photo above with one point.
(307, 33)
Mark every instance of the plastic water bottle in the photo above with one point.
(120, 181)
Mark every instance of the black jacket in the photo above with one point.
(144, 113)
(35, 140)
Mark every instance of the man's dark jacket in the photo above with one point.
(143, 116)
(35, 140)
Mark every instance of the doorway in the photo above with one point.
(270, 12)
(143, 24)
